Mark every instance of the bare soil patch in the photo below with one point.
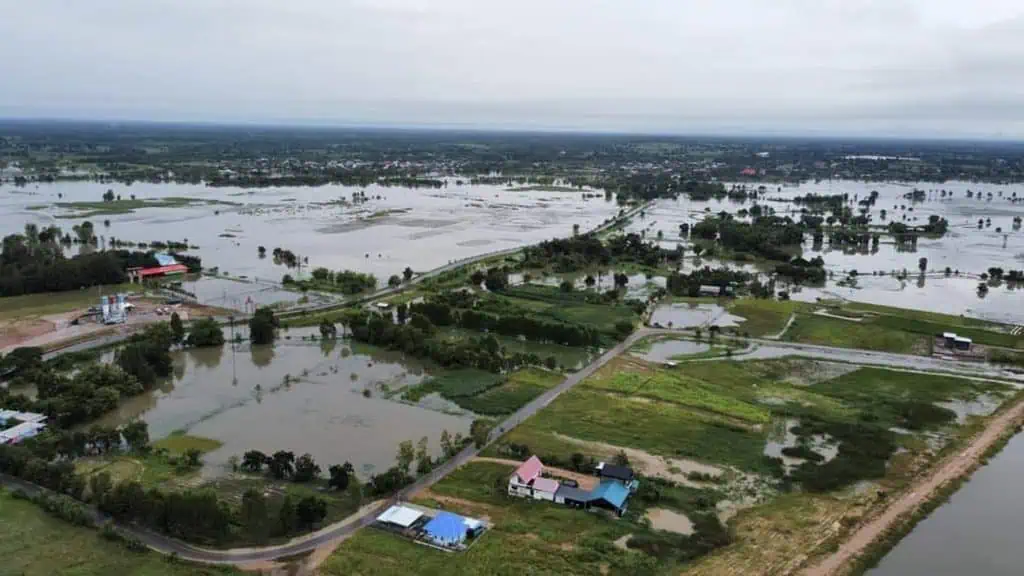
(674, 469)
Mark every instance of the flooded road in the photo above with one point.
(244, 400)
(976, 532)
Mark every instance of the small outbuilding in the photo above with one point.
(962, 343)
(400, 516)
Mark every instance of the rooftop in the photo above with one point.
(611, 492)
(530, 469)
(546, 484)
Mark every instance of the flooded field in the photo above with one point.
(965, 248)
(296, 395)
(666, 350)
(976, 532)
(393, 228)
(691, 315)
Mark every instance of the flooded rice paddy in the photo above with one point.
(976, 532)
(666, 350)
(296, 395)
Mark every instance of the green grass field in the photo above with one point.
(764, 317)
(35, 544)
(127, 206)
(519, 389)
(810, 329)
(527, 538)
(181, 443)
(679, 389)
(34, 305)
(455, 384)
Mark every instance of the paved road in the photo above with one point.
(775, 349)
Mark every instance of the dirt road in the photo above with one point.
(955, 467)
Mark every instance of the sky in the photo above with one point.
(911, 68)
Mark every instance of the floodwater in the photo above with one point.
(242, 399)
(690, 315)
(665, 350)
(965, 247)
(395, 227)
(976, 532)
(781, 436)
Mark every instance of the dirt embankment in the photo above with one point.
(919, 493)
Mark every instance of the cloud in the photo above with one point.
(890, 67)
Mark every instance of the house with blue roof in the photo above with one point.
(610, 495)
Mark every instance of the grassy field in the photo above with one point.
(127, 206)
(33, 305)
(181, 443)
(720, 413)
(527, 537)
(518, 390)
(455, 384)
(487, 393)
(810, 329)
(35, 544)
(566, 356)
(764, 317)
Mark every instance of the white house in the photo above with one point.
(526, 482)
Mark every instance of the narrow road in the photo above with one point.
(955, 467)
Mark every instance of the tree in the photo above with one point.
(480, 431)
(405, 457)
(253, 461)
(286, 516)
(136, 434)
(177, 328)
(108, 196)
(477, 278)
(254, 515)
(551, 362)
(205, 332)
(407, 273)
(339, 477)
(423, 460)
(402, 312)
(282, 464)
(446, 444)
(922, 265)
(262, 326)
(305, 469)
(262, 250)
(394, 281)
(310, 511)
(589, 281)
(193, 457)
(327, 329)
(566, 286)
(99, 486)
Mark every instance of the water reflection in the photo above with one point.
(300, 395)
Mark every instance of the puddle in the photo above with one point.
(781, 436)
(670, 521)
(982, 405)
(691, 315)
(666, 350)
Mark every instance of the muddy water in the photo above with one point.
(394, 228)
(669, 520)
(665, 350)
(241, 398)
(976, 532)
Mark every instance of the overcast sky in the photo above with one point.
(863, 67)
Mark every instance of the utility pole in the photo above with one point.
(234, 377)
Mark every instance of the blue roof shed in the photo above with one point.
(612, 493)
(446, 528)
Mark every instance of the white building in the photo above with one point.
(526, 482)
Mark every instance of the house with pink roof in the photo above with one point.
(526, 482)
